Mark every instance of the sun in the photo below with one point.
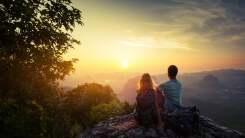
(124, 63)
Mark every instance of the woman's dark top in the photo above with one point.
(146, 112)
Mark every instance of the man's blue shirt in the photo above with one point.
(172, 91)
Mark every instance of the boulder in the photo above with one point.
(125, 126)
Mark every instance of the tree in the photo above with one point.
(90, 103)
(34, 35)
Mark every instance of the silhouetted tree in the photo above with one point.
(34, 34)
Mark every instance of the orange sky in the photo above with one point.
(149, 36)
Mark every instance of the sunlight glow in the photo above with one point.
(124, 63)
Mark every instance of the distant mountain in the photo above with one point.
(115, 79)
(128, 92)
(220, 94)
(210, 81)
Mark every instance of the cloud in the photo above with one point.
(211, 21)
(202, 23)
(149, 42)
(196, 24)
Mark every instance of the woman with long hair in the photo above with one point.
(149, 102)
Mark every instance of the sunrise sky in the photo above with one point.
(148, 35)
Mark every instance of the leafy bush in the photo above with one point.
(106, 110)
(59, 116)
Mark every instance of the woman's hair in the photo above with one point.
(146, 83)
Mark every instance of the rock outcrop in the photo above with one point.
(126, 127)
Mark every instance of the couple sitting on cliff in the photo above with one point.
(154, 104)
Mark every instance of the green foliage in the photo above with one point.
(34, 36)
(91, 94)
(84, 100)
(103, 111)
(64, 116)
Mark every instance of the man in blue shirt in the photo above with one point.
(171, 90)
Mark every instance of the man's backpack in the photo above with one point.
(183, 121)
(146, 113)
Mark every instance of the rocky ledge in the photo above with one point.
(126, 127)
